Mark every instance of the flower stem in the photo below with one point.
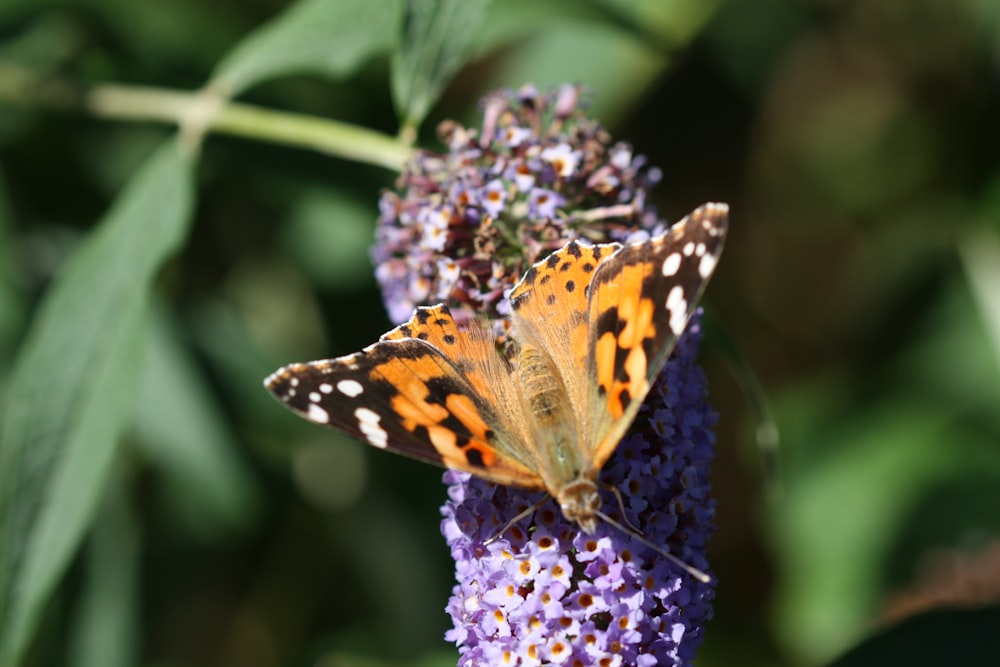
(205, 110)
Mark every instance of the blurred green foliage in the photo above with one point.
(157, 507)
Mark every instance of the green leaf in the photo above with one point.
(438, 37)
(328, 37)
(72, 390)
(857, 512)
(617, 48)
(105, 628)
(981, 260)
(180, 428)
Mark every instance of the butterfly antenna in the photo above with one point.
(626, 528)
(690, 569)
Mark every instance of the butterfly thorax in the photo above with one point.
(556, 434)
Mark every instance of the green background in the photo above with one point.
(158, 508)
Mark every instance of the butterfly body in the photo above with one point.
(592, 327)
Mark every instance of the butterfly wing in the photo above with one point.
(608, 316)
(472, 350)
(639, 304)
(426, 390)
(549, 310)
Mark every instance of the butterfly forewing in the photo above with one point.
(407, 396)
(474, 352)
(640, 301)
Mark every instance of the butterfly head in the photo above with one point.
(580, 502)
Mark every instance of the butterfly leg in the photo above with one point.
(517, 518)
(621, 506)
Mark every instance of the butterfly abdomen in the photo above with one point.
(551, 419)
(541, 389)
(554, 429)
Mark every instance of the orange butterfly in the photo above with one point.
(592, 326)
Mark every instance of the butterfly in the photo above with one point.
(592, 327)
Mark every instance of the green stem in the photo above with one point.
(195, 112)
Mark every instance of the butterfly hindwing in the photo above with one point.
(472, 349)
(639, 304)
(549, 310)
(405, 395)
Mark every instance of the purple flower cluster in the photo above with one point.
(469, 222)
(464, 227)
(546, 593)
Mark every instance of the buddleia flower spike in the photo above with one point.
(546, 593)
(468, 227)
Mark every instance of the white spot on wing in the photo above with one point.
(326, 387)
(713, 221)
(294, 382)
(368, 423)
(671, 264)
(315, 397)
(318, 414)
(707, 265)
(677, 305)
(688, 248)
(350, 388)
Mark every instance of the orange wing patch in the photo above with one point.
(549, 310)
(472, 348)
(553, 293)
(624, 315)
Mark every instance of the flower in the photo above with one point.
(463, 228)
(537, 174)
(543, 592)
